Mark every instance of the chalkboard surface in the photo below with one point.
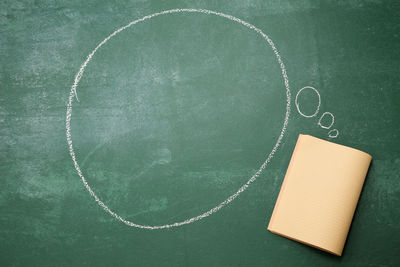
(178, 112)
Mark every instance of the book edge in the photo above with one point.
(343, 146)
(307, 243)
(270, 225)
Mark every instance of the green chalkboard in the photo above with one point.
(176, 150)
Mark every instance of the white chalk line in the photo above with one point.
(73, 93)
(322, 116)
(297, 103)
(333, 133)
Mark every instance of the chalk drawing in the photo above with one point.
(73, 94)
(333, 133)
(297, 103)
(322, 116)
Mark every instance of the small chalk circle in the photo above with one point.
(333, 133)
(332, 120)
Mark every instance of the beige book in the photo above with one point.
(319, 194)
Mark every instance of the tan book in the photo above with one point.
(319, 194)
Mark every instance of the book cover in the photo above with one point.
(319, 193)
